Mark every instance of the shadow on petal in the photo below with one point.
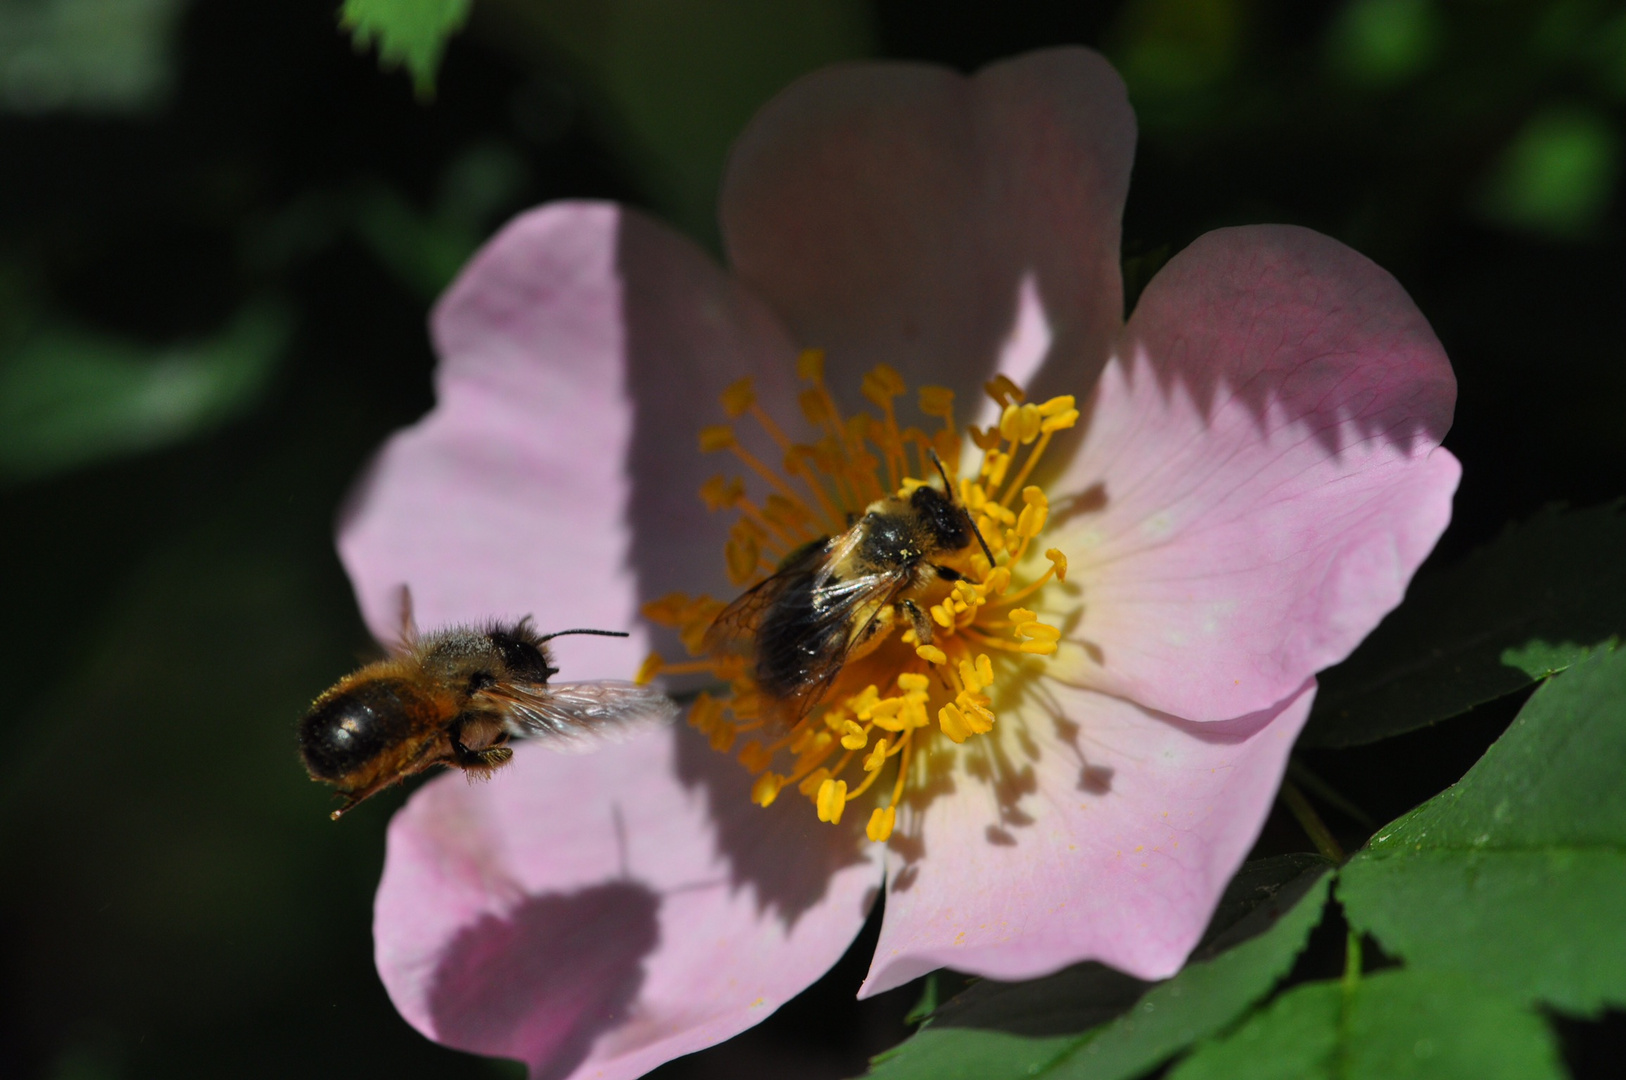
(783, 852)
(542, 982)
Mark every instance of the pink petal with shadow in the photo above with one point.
(1260, 475)
(556, 476)
(889, 212)
(599, 915)
(1116, 828)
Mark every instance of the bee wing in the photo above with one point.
(736, 625)
(580, 715)
(835, 628)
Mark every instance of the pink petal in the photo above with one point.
(1115, 846)
(1260, 475)
(889, 212)
(598, 915)
(581, 350)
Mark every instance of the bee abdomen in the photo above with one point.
(346, 731)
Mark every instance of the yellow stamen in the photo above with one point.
(881, 821)
(914, 680)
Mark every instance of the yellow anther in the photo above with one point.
(668, 610)
(881, 820)
(1010, 423)
(766, 788)
(959, 726)
(721, 493)
(853, 737)
(1038, 631)
(1059, 561)
(813, 781)
(999, 579)
(1003, 391)
(877, 757)
(743, 557)
(650, 668)
(716, 437)
(914, 682)
(985, 669)
(1056, 405)
(931, 654)
(705, 713)
(970, 677)
(1040, 648)
(937, 401)
(755, 757)
(942, 615)
(722, 737)
(745, 704)
(1034, 496)
(882, 384)
(814, 408)
(810, 365)
(909, 486)
(832, 800)
(976, 708)
(886, 708)
(1059, 422)
(984, 440)
(1021, 615)
(738, 397)
(1031, 521)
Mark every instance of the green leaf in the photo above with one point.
(1516, 875)
(410, 32)
(69, 398)
(1394, 1025)
(998, 1030)
(1528, 604)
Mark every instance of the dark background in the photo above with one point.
(221, 227)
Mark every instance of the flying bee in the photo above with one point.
(836, 598)
(455, 697)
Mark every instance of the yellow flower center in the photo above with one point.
(896, 693)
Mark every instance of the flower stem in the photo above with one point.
(1312, 823)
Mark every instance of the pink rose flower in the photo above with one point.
(1254, 478)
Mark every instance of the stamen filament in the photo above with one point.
(753, 463)
(944, 689)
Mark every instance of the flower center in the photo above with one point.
(927, 651)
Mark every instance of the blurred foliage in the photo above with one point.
(179, 905)
(68, 397)
(86, 55)
(671, 82)
(410, 32)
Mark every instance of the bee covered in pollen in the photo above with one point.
(455, 697)
(837, 598)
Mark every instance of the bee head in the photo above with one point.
(950, 525)
(346, 732)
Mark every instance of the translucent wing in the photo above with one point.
(580, 715)
(736, 626)
(803, 642)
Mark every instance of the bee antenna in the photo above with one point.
(952, 494)
(598, 633)
(948, 488)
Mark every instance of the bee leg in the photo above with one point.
(948, 573)
(917, 619)
(478, 760)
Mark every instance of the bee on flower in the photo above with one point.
(1056, 744)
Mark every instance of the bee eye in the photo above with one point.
(348, 730)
